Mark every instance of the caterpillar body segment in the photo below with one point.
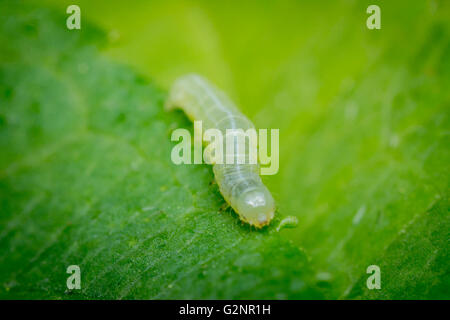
(240, 184)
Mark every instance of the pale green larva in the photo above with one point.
(240, 184)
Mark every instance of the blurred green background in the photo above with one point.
(363, 117)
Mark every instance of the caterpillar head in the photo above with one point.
(256, 206)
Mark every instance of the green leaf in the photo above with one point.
(86, 176)
(86, 179)
(412, 264)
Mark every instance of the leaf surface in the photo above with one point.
(86, 176)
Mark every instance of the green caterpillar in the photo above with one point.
(240, 184)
